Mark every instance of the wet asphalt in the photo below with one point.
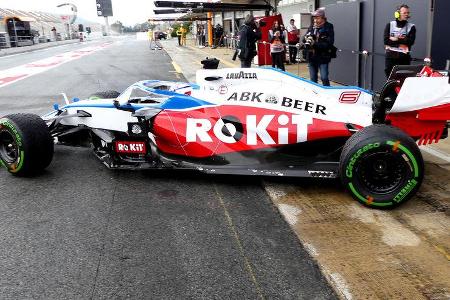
(82, 231)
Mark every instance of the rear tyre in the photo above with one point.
(26, 145)
(110, 94)
(381, 166)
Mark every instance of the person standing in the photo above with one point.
(151, 37)
(399, 36)
(179, 34)
(275, 28)
(54, 34)
(293, 40)
(203, 36)
(219, 35)
(318, 43)
(277, 50)
(283, 37)
(248, 35)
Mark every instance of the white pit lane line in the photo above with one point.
(15, 74)
(441, 155)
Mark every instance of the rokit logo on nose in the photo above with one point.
(130, 147)
(255, 128)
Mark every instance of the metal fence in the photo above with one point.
(21, 40)
(4, 41)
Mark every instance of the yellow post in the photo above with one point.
(210, 29)
(183, 35)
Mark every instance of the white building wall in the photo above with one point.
(299, 10)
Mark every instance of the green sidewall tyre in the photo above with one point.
(26, 145)
(381, 166)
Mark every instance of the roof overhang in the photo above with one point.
(180, 19)
(21, 18)
(201, 7)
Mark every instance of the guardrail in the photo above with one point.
(21, 40)
(4, 43)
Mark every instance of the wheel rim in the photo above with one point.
(9, 151)
(382, 172)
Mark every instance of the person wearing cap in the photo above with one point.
(248, 35)
(399, 36)
(318, 46)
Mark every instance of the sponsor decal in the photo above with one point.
(349, 97)
(5, 123)
(245, 96)
(349, 169)
(18, 164)
(131, 147)
(223, 89)
(241, 75)
(271, 99)
(256, 129)
(405, 191)
(303, 105)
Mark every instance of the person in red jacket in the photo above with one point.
(293, 39)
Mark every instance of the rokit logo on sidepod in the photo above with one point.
(255, 127)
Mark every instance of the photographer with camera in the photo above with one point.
(318, 46)
(248, 35)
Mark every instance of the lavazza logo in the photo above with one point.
(242, 75)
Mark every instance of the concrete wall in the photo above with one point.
(373, 17)
(440, 41)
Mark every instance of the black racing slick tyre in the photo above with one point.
(104, 95)
(381, 166)
(26, 145)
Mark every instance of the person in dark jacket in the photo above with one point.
(248, 35)
(399, 36)
(318, 43)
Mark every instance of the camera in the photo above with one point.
(310, 39)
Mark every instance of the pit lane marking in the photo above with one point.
(15, 74)
(176, 67)
(436, 153)
(233, 229)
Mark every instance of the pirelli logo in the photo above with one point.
(349, 97)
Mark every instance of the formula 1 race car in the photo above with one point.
(250, 122)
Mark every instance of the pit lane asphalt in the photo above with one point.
(81, 231)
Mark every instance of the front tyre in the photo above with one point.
(381, 166)
(26, 145)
